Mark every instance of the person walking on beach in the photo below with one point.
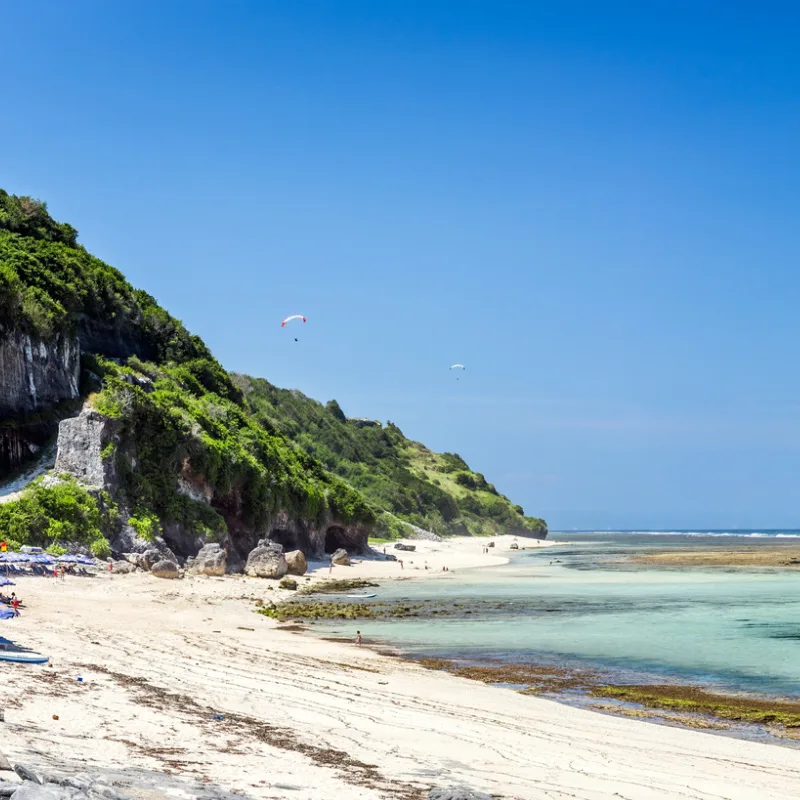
(358, 638)
(15, 606)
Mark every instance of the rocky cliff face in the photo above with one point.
(35, 374)
(316, 538)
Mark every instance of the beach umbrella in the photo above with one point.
(68, 559)
(6, 613)
(6, 582)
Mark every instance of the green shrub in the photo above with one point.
(101, 549)
(62, 512)
(389, 527)
(146, 525)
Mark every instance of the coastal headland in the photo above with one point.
(184, 677)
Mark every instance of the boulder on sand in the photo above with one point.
(122, 568)
(165, 569)
(341, 557)
(296, 562)
(211, 560)
(409, 548)
(266, 561)
(457, 793)
(154, 555)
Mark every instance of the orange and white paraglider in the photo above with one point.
(289, 319)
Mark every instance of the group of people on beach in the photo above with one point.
(12, 601)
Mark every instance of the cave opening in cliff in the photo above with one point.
(289, 540)
(336, 538)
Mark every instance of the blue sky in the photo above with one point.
(592, 205)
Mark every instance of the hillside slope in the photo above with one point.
(435, 491)
(157, 443)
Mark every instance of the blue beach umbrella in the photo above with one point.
(6, 582)
(6, 613)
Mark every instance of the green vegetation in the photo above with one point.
(338, 586)
(49, 284)
(62, 512)
(172, 423)
(401, 478)
(698, 701)
(318, 609)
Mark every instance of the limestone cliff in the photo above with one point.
(37, 374)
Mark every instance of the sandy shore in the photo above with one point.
(427, 560)
(184, 677)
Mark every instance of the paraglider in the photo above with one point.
(457, 366)
(289, 319)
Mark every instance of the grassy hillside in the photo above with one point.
(436, 491)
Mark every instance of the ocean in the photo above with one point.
(581, 605)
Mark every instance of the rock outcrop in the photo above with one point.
(211, 560)
(408, 548)
(296, 562)
(341, 557)
(85, 448)
(266, 561)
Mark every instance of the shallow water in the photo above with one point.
(731, 630)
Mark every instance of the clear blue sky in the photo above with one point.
(594, 206)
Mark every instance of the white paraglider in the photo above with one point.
(457, 366)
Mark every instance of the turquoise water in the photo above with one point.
(732, 630)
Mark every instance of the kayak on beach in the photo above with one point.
(361, 596)
(22, 657)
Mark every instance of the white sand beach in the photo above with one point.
(183, 677)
